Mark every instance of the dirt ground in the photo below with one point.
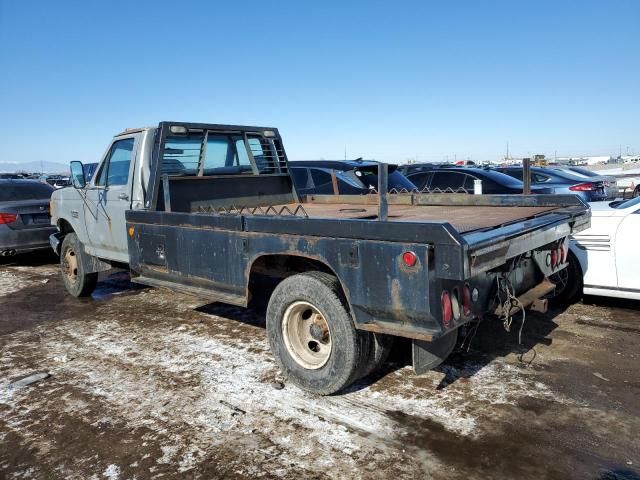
(147, 383)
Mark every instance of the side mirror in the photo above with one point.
(78, 179)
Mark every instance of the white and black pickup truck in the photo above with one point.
(212, 210)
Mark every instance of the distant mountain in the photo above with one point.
(32, 167)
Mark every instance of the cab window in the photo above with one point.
(115, 170)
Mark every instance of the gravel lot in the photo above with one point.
(147, 383)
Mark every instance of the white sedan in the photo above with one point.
(605, 259)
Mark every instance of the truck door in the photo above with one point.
(627, 257)
(108, 198)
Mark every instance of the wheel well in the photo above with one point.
(65, 227)
(268, 271)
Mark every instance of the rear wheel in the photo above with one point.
(636, 192)
(76, 281)
(568, 283)
(312, 336)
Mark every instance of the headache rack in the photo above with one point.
(212, 150)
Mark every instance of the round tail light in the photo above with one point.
(455, 304)
(445, 299)
(466, 299)
(409, 259)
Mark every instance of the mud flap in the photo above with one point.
(428, 355)
(93, 264)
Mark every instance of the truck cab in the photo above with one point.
(96, 211)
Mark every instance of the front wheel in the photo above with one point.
(312, 335)
(76, 281)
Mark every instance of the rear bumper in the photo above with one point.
(25, 240)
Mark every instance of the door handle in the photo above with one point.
(123, 196)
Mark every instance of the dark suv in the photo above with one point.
(353, 177)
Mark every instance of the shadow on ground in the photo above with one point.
(33, 259)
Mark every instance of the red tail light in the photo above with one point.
(409, 259)
(7, 218)
(445, 299)
(583, 187)
(466, 299)
(554, 258)
(565, 251)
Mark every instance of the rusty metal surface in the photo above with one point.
(294, 210)
(463, 219)
(531, 297)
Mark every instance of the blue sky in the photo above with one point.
(388, 80)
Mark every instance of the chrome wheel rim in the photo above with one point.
(306, 335)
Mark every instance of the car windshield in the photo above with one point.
(564, 175)
(396, 179)
(634, 202)
(584, 171)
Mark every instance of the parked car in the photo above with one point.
(59, 182)
(353, 177)
(610, 182)
(24, 216)
(10, 176)
(604, 260)
(560, 182)
(461, 179)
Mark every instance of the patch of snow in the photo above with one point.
(112, 472)
(11, 283)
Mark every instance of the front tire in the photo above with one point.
(72, 262)
(312, 335)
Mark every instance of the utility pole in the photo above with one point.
(526, 176)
